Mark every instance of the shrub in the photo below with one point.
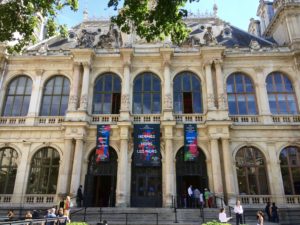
(77, 223)
(214, 222)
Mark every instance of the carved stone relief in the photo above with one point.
(87, 39)
(112, 39)
(168, 102)
(125, 102)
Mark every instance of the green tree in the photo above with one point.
(151, 19)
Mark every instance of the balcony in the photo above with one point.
(246, 120)
(105, 119)
(10, 121)
(146, 118)
(52, 120)
(189, 118)
(286, 119)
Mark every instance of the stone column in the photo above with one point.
(209, 87)
(85, 87)
(262, 96)
(126, 90)
(64, 170)
(274, 171)
(122, 179)
(77, 162)
(169, 167)
(22, 174)
(228, 170)
(220, 85)
(216, 168)
(73, 101)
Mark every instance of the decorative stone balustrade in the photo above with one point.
(5, 199)
(53, 120)
(189, 118)
(286, 119)
(147, 118)
(245, 119)
(40, 199)
(262, 200)
(108, 118)
(12, 121)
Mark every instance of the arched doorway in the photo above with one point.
(190, 173)
(100, 181)
(146, 186)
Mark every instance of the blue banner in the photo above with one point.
(190, 142)
(102, 144)
(147, 145)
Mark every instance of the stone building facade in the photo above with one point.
(241, 90)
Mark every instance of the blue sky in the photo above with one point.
(236, 12)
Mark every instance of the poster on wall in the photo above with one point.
(191, 152)
(147, 145)
(102, 143)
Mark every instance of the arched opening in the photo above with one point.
(146, 185)
(190, 173)
(100, 181)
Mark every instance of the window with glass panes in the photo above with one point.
(241, 95)
(290, 170)
(146, 94)
(282, 98)
(8, 170)
(107, 94)
(251, 172)
(55, 97)
(43, 173)
(17, 97)
(187, 93)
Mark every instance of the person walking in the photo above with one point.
(190, 196)
(238, 210)
(196, 196)
(268, 211)
(79, 196)
(260, 218)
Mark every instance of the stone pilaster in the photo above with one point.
(85, 87)
(209, 86)
(22, 174)
(169, 164)
(65, 168)
(77, 162)
(122, 179)
(222, 101)
(73, 101)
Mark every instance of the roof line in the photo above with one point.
(42, 42)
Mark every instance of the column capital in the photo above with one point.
(39, 72)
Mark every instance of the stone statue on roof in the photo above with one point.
(209, 37)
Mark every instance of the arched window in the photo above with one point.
(55, 97)
(146, 94)
(17, 97)
(241, 95)
(43, 172)
(107, 94)
(187, 93)
(290, 170)
(251, 172)
(282, 99)
(8, 170)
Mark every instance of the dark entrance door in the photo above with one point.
(190, 173)
(100, 181)
(146, 190)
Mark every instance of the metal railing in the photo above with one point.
(104, 215)
(49, 221)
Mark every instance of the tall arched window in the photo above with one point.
(107, 94)
(8, 170)
(290, 170)
(17, 97)
(43, 172)
(251, 172)
(187, 93)
(241, 95)
(146, 94)
(282, 99)
(55, 97)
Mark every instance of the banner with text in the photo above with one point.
(191, 152)
(102, 144)
(147, 145)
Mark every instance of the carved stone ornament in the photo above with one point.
(222, 101)
(83, 102)
(43, 49)
(209, 37)
(112, 39)
(125, 102)
(86, 40)
(73, 102)
(254, 45)
(168, 102)
(211, 101)
(191, 41)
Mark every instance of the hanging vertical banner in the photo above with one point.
(147, 144)
(190, 142)
(102, 144)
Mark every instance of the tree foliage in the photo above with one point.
(150, 19)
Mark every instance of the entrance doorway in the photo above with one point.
(190, 173)
(100, 181)
(146, 190)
